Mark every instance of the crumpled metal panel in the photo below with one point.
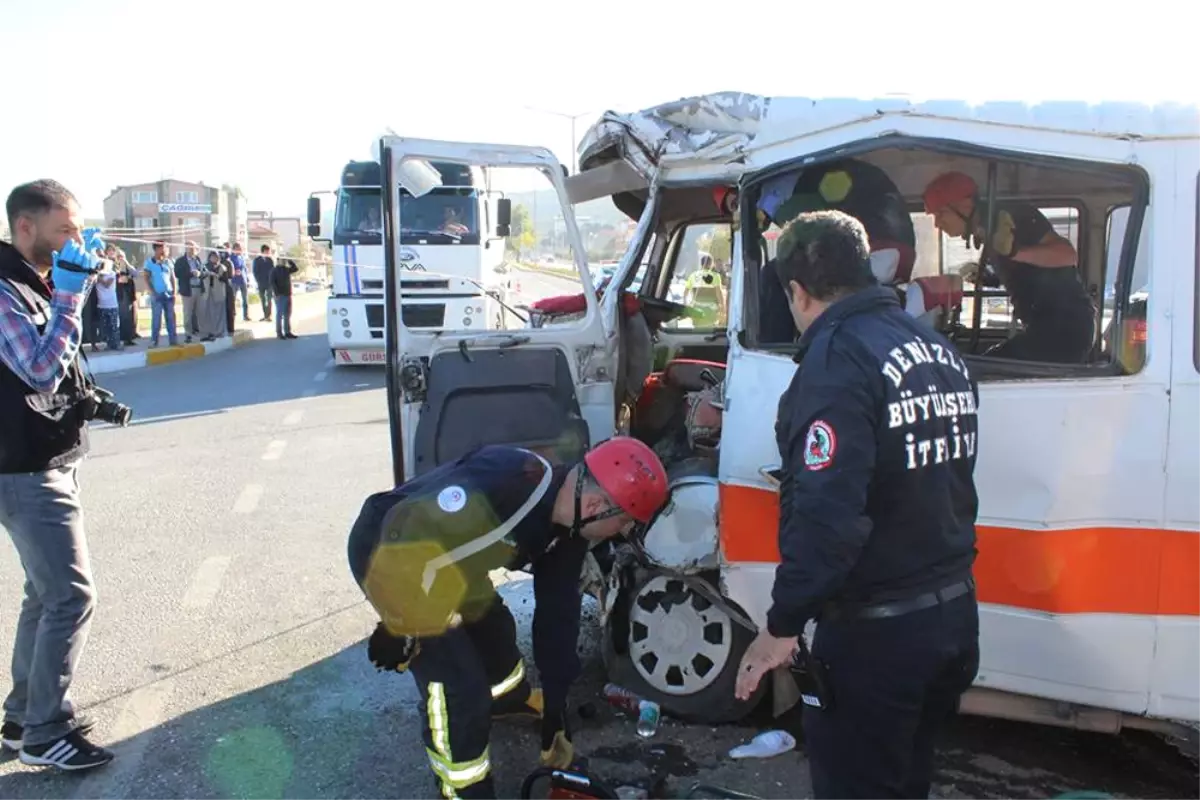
(709, 127)
(721, 127)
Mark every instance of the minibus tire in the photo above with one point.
(712, 705)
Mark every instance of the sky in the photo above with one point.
(276, 99)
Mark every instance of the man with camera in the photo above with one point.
(46, 401)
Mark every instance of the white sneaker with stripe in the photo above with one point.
(71, 752)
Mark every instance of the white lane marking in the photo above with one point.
(133, 731)
(293, 418)
(248, 500)
(100, 426)
(274, 450)
(320, 376)
(205, 582)
(309, 393)
(330, 362)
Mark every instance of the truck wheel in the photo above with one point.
(669, 644)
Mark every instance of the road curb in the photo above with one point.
(178, 352)
(186, 352)
(169, 355)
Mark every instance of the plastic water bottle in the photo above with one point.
(621, 698)
(648, 714)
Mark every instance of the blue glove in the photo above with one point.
(74, 254)
(92, 241)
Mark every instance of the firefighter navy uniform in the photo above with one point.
(422, 553)
(877, 538)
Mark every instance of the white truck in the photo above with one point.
(450, 257)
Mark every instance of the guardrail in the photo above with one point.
(558, 272)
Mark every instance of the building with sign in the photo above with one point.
(176, 211)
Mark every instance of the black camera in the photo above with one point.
(102, 265)
(98, 404)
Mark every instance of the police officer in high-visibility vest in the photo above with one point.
(422, 553)
(704, 295)
(877, 432)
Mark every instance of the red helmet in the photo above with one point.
(631, 474)
(726, 199)
(947, 189)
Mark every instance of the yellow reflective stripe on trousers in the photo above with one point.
(453, 775)
(439, 719)
(461, 774)
(511, 682)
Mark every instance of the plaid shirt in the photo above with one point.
(41, 360)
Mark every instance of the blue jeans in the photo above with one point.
(241, 288)
(160, 304)
(283, 315)
(110, 327)
(265, 293)
(43, 517)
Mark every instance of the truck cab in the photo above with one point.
(451, 262)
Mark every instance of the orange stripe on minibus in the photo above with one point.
(1069, 571)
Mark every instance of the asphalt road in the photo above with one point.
(227, 657)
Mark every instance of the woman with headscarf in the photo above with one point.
(126, 296)
(228, 272)
(210, 306)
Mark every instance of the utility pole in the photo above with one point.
(574, 141)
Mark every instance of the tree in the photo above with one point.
(521, 235)
(718, 244)
(303, 256)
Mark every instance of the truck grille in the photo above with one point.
(424, 283)
(423, 315)
(426, 315)
(374, 315)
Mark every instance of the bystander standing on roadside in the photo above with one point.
(263, 264)
(187, 277)
(229, 268)
(44, 411)
(91, 322)
(281, 287)
(211, 307)
(160, 278)
(238, 282)
(108, 310)
(126, 296)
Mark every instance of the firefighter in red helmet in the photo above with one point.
(1037, 266)
(422, 553)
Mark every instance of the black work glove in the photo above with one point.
(557, 750)
(389, 652)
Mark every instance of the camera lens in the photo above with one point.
(114, 413)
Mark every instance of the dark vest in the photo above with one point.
(38, 432)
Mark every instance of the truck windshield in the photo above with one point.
(444, 216)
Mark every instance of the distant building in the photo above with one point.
(287, 236)
(175, 211)
(284, 232)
